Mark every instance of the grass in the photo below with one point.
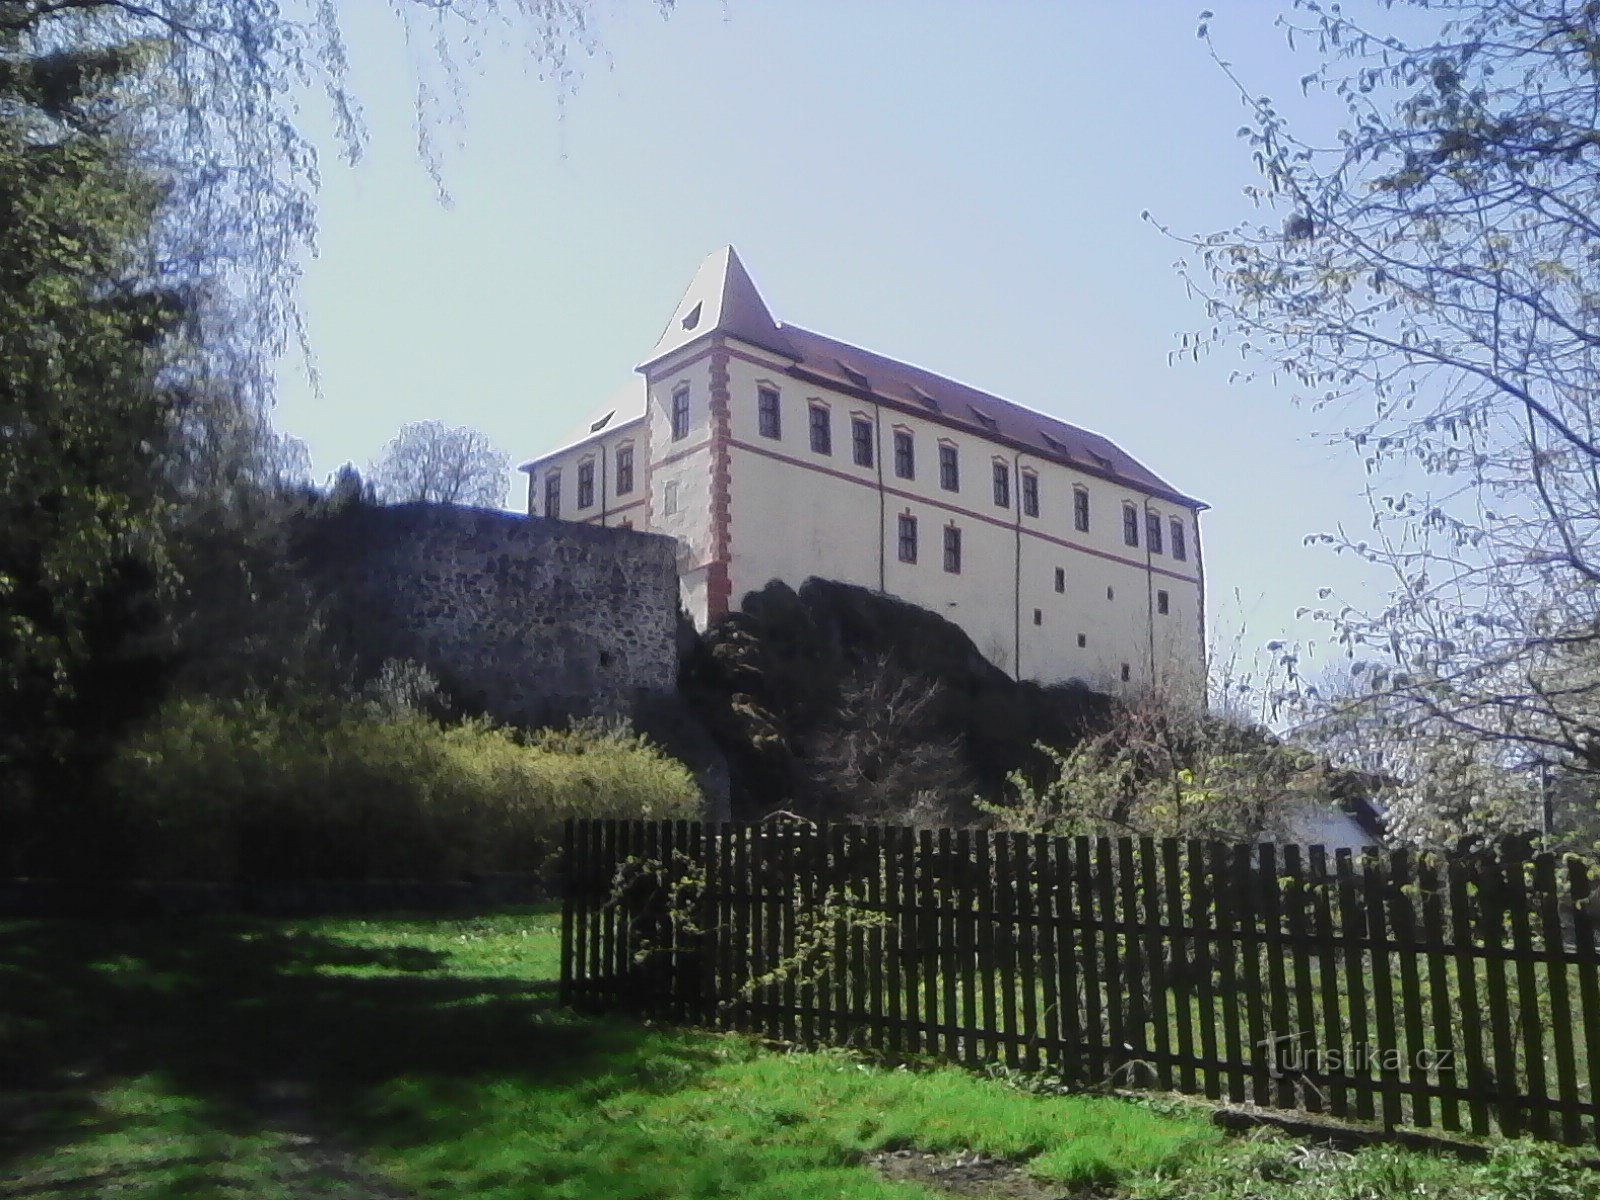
(396, 1058)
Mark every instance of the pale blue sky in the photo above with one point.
(957, 185)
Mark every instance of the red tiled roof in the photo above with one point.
(958, 405)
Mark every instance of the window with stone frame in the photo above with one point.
(680, 413)
(1152, 531)
(908, 538)
(861, 440)
(821, 429)
(624, 469)
(905, 459)
(952, 549)
(769, 416)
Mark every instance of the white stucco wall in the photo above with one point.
(796, 513)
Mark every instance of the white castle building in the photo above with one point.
(774, 453)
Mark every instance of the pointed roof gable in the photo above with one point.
(722, 299)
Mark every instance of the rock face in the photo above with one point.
(525, 619)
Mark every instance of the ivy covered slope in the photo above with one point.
(835, 700)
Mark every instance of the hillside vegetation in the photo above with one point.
(835, 700)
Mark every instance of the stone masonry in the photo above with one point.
(526, 619)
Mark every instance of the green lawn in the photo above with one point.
(397, 1058)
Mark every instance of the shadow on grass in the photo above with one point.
(238, 1014)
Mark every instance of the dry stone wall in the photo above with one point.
(527, 619)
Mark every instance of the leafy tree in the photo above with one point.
(440, 464)
(85, 416)
(1431, 279)
(1164, 768)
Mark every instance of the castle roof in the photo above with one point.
(723, 299)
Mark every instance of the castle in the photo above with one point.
(771, 452)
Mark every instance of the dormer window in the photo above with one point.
(853, 375)
(691, 318)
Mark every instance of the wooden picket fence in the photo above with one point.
(1461, 995)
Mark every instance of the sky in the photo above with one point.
(956, 185)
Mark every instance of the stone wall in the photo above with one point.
(526, 619)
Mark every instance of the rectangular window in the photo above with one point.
(908, 538)
(552, 494)
(1179, 550)
(1080, 509)
(1152, 531)
(669, 499)
(905, 463)
(949, 469)
(821, 430)
(1163, 603)
(1030, 494)
(624, 470)
(680, 413)
(1061, 579)
(586, 484)
(952, 549)
(1002, 485)
(861, 441)
(1130, 524)
(767, 407)
(1038, 616)
(1127, 673)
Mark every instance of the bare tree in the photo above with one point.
(1431, 278)
(882, 756)
(441, 464)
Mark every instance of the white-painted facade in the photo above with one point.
(788, 459)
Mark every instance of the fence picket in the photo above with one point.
(1190, 966)
(1588, 967)
(1203, 917)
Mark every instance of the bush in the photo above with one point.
(251, 791)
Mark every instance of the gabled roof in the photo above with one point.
(722, 299)
(625, 406)
(955, 404)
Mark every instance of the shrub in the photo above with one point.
(247, 790)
